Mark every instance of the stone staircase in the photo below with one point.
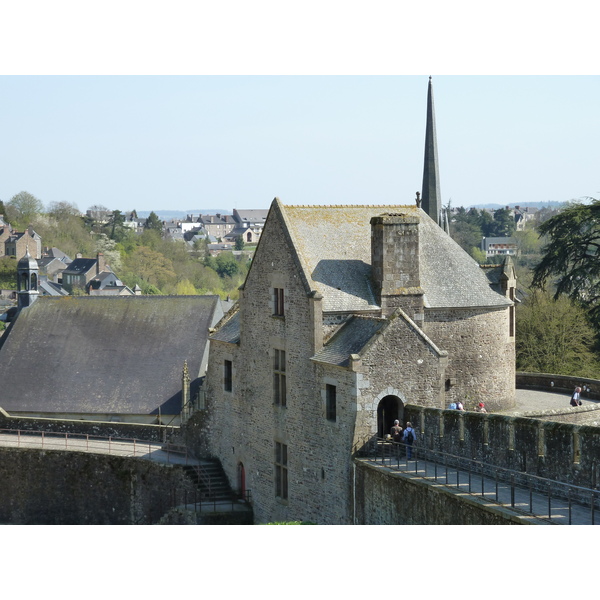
(211, 481)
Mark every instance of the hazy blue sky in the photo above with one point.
(197, 142)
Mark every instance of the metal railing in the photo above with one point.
(528, 494)
(83, 442)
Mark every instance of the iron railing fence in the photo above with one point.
(195, 501)
(83, 442)
(532, 494)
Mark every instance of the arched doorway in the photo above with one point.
(389, 409)
(241, 480)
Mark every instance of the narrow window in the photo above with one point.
(330, 402)
(281, 471)
(511, 312)
(278, 307)
(279, 384)
(228, 376)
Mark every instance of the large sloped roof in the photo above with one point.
(333, 244)
(104, 354)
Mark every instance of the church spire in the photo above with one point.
(431, 197)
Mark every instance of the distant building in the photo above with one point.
(82, 270)
(16, 244)
(499, 246)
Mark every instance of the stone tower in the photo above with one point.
(431, 201)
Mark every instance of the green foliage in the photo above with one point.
(554, 336)
(22, 208)
(226, 264)
(8, 273)
(153, 222)
(570, 260)
(239, 242)
(292, 523)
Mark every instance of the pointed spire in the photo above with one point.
(431, 197)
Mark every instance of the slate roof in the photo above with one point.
(81, 265)
(349, 339)
(91, 354)
(333, 244)
(229, 329)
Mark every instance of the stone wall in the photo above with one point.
(560, 451)
(387, 498)
(481, 355)
(75, 488)
(149, 433)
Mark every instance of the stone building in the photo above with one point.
(349, 313)
(17, 244)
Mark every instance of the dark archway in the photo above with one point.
(389, 409)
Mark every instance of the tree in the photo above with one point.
(227, 266)
(62, 210)
(503, 224)
(150, 266)
(8, 273)
(239, 242)
(115, 225)
(22, 208)
(554, 336)
(153, 222)
(571, 256)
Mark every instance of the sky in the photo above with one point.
(205, 142)
(101, 128)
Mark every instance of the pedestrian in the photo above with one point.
(575, 401)
(481, 408)
(396, 432)
(409, 438)
(459, 405)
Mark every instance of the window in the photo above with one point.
(228, 376)
(278, 302)
(279, 386)
(330, 402)
(511, 314)
(281, 471)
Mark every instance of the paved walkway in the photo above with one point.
(520, 502)
(81, 443)
(533, 400)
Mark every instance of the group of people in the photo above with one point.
(458, 405)
(407, 436)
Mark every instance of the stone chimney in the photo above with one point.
(395, 262)
(100, 263)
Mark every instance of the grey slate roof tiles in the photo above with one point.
(334, 248)
(349, 339)
(121, 354)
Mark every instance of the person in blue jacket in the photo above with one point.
(409, 437)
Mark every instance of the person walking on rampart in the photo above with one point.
(408, 438)
(396, 432)
(459, 405)
(575, 400)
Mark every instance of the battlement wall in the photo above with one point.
(565, 452)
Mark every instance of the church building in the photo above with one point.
(348, 314)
